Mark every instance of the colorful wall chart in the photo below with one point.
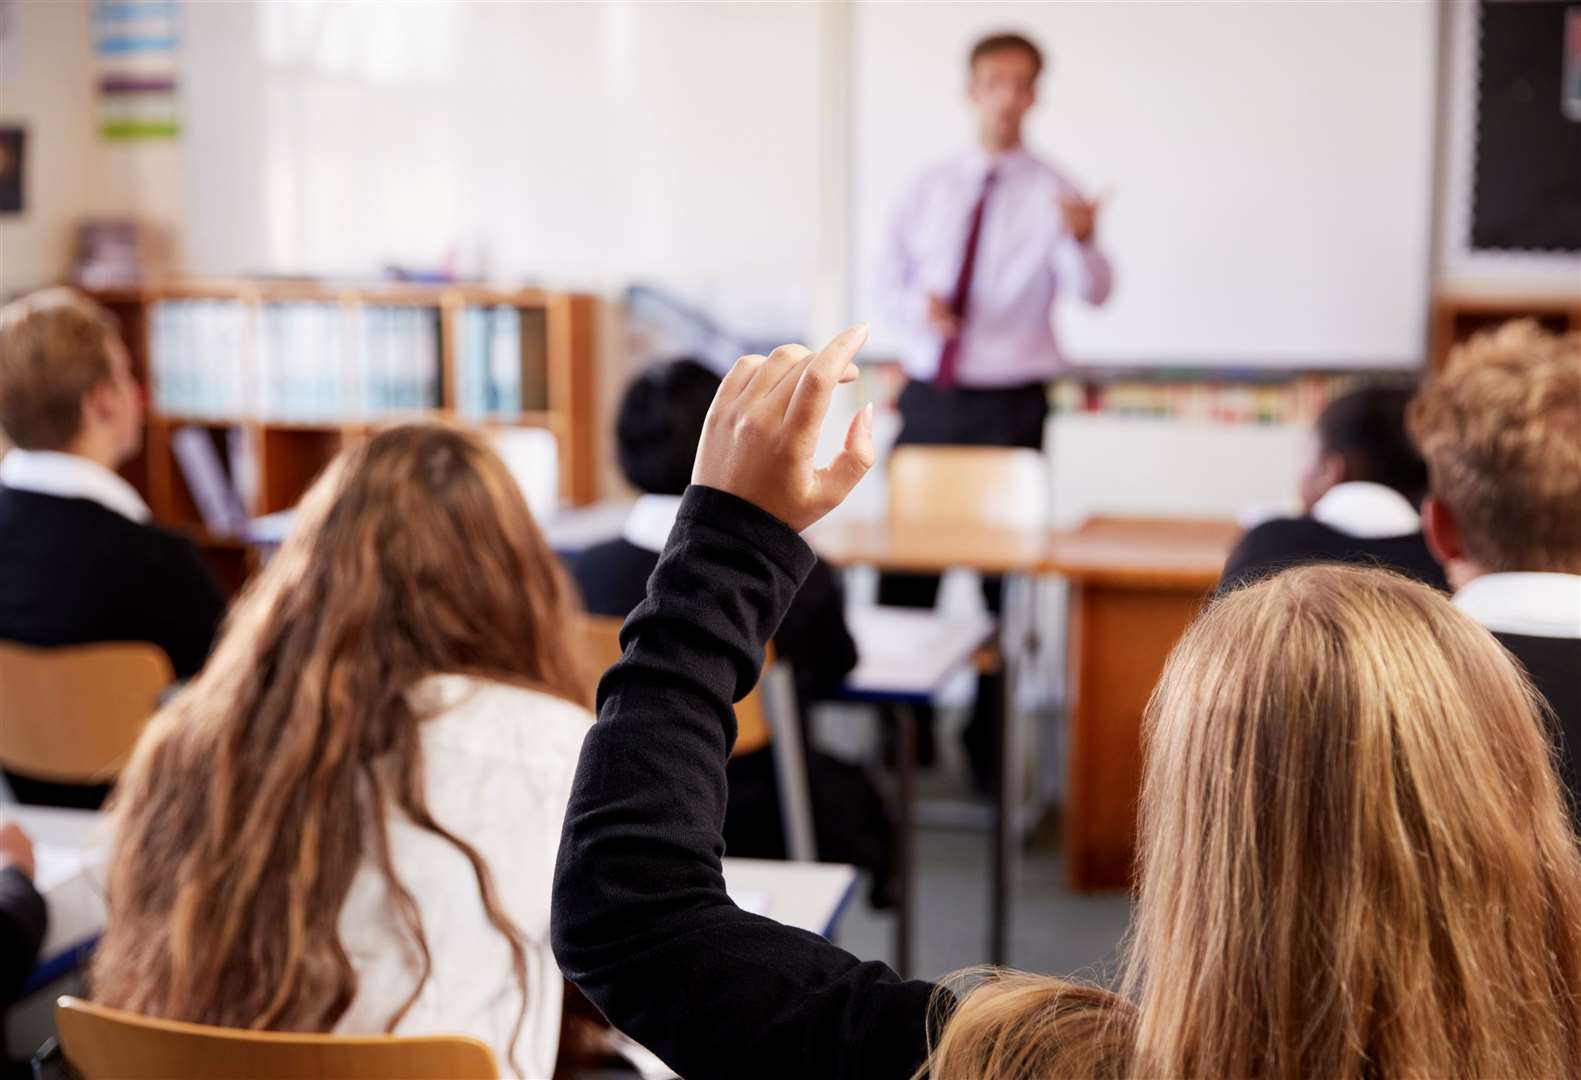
(136, 47)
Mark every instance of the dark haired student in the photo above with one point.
(657, 429)
(1361, 491)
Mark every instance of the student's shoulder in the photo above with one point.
(1273, 545)
(499, 718)
(84, 521)
(1281, 532)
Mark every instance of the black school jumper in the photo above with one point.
(641, 921)
(1285, 542)
(73, 572)
(1554, 664)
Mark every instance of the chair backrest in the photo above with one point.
(601, 648)
(1002, 487)
(108, 1044)
(72, 714)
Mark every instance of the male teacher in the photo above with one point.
(981, 246)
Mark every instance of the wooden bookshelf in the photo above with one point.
(287, 453)
(1459, 315)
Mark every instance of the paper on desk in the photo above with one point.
(754, 900)
(906, 650)
(71, 883)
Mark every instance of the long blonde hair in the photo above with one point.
(255, 797)
(1353, 861)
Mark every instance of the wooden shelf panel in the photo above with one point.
(288, 454)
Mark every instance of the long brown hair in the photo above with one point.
(1354, 861)
(257, 793)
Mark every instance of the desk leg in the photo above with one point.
(1122, 636)
(1006, 838)
(905, 832)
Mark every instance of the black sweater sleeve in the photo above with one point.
(22, 924)
(641, 920)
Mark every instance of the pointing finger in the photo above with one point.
(810, 401)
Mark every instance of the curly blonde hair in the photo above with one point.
(1500, 428)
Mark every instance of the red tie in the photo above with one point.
(950, 357)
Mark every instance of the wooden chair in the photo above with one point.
(108, 1044)
(969, 486)
(766, 715)
(72, 714)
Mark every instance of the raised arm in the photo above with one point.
(641, 920)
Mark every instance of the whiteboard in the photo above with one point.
(1271, 165)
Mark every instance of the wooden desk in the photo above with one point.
(1136, 583)
(905, 657)
(929, 548)
(932, 548)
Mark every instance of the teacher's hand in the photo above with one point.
(1081, 217)
(763, 426)
(942, 319)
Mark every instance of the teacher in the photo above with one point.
(979, 250)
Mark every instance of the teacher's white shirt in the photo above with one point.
(1025, 259)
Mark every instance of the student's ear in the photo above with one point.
(1442, 533)
(98, 404)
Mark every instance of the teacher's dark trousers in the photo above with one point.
(964, 416)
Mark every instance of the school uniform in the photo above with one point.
(613, 578)
(1537, 617)
(1356, 522)
(850, 819)
(23, 920)
(641, 921)
(497, 765)
(81, 563)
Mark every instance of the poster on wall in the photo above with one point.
(136, 52)
(13, 141)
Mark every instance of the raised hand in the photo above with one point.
(763, 426)
(942, 318)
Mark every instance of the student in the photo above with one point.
(1360, 495)
(23, 920)
(1501, 430)
(79, 561)
(347, 822)
(1354, 859)
(656, 431)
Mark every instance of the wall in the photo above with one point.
(46, 85)
(579, 144)
(47, 77)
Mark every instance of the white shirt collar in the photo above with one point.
(1539, 605)
(977, 161)
(68, 476)
(1367, 511)
(650, 521)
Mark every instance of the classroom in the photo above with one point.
(602, 539)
